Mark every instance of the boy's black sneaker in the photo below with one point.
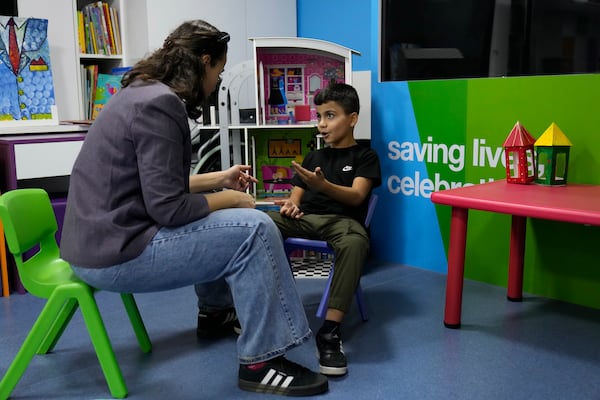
(332, 360)
(218, 324)
(281, 376)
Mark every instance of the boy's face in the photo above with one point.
(335, 126)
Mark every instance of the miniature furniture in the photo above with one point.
(575, 203)
(322, 246)
(29, 223)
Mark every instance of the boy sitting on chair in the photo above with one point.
(329, 202)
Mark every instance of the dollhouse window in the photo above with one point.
(314, 83)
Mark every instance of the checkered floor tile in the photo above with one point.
(307, 268)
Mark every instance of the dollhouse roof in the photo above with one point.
(553, 136)
(518, 137)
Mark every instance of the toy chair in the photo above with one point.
(322, 246)
(276, 177)
(29, 223)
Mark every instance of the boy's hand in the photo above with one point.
(315, 179)
(289, 209)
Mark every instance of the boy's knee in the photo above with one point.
(353, 244)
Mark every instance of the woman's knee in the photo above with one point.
(264, 223)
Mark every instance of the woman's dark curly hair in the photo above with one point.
(177, 63)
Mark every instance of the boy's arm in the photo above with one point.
(350, 195)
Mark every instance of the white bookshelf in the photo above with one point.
(64, 46)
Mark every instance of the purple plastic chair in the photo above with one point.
(321, 246)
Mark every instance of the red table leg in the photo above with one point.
(456, 266)
(517, 258)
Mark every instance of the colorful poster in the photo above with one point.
(26, 87)
(449, 133)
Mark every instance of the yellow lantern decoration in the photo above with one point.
(552, 150)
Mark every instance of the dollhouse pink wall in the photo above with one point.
(325, 67)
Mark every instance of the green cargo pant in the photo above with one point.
(349, 241)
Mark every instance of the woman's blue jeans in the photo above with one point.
(241, 246)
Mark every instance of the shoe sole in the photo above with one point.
(333, 371)
(284, 391)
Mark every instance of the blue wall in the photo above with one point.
(355, 24)
(468, 113)
(348, 23)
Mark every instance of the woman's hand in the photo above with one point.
(238, 177)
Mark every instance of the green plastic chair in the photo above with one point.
(30, 223)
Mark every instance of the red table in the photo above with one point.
(574, 203)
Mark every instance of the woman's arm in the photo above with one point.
(229, 199)
(236, 177)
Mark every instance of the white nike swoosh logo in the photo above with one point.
(347, 168)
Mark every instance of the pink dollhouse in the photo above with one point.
(291, 71)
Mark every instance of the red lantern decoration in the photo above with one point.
(519, 156)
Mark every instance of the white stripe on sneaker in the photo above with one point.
(276, 379)
(287, 381)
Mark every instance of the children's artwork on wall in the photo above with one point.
(26, 86)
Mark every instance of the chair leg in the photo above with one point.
(32, 343)
(58, 327)
(360, 303)
(322, 310)
(101, 343)
(136, 322)
(3, 264)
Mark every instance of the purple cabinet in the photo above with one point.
(41, 160)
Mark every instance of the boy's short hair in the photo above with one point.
(343, 94)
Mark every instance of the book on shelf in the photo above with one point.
(98, 29)
(106, 87)
(117, 29)
(89, 77)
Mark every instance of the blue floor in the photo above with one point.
(537, 349)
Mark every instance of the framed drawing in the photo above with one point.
(26, 86)
(285, 148)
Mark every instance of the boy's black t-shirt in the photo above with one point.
(340, 167)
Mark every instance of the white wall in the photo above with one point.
(241, 18)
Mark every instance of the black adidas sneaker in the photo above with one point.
(283, 377)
